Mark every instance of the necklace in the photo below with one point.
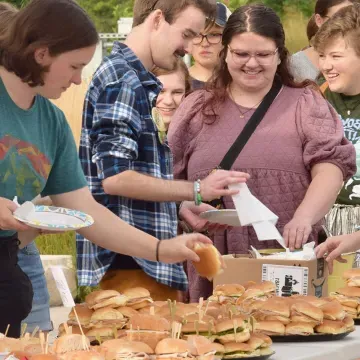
(242, 113)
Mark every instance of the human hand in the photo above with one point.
(296, 232)
(190, 213)
(214, 186)
(181, 248)
(335, 246)
(7, 220)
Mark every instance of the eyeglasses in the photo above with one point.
(212, 38)
(262, 57)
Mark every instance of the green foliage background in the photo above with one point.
(105, 13)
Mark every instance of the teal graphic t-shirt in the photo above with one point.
(348, 107)
(38, 154)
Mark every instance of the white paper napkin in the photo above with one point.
(253, 212)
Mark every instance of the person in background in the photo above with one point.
(39, 59)
(175, 86)
(337, 44)
(296, 166)
(29, 257)
(305, 63)
(125, 155)
(206, 47)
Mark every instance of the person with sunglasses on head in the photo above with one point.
(297, 157)
(206, 47)
(124, 151)
(305, 63)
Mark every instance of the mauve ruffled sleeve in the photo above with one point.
(184, 127)
(322, 134)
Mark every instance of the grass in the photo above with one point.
(62, 244)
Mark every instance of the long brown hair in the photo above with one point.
(7, 15)
(59, 25)
(322, 7)
(258, 19)
(180, 66)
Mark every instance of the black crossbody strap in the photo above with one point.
(236, 148)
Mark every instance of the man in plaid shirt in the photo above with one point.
(127, 164)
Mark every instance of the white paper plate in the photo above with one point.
(56, 219)
(224, 217)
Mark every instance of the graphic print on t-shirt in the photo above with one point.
(22, 163)
(352, 132)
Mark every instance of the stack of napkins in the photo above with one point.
(253, 212)
(307, 253)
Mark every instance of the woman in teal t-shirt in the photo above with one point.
(337, 43)
(42, 53)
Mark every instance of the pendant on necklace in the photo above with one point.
(348, 112)
(242, 116)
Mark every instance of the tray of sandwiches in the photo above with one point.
(349, 296)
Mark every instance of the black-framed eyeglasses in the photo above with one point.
(241, 57)
(212, 38)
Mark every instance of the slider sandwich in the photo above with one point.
(349, 323)
(227, 293)
(259, 345)
(107, 317)
(210, 263)
(119, 349)
(333, 311)
(349, 298)
(232, 330)
(81, 355)
(73, 342)
(299, 328)
(269, 328)
(352, 277)
(84, 315)
(206, 329)
(138, 298)
(267, 287)
(105, 298)
(220, 349)
(236, 350)
(149, 329)
(275, 309)
(331, 327)
(171, 349)
(201, 348)
(251, 295)
(101, 334)
(305, 312)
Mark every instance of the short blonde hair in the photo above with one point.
(345, 23)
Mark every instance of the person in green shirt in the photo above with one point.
(337, 43)
(42, 53)
(339, 59)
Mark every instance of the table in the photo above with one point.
(346, 349)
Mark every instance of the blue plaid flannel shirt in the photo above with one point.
(118, 134)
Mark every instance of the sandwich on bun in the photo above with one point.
(298, 328)
(171, 349)
(236, 350)
(227, 293)
(105, 298)
(304, 312)
(84, 315)
(107, 317)
(333, 311)
(331, 327)
(269, 328)
(118, 349)
(352, 277)
(73, 342)
(210, 263)
(201, 348)
(232, 330)
(138, 298)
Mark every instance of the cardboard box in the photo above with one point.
(289, 276)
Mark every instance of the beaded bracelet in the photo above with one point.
(197, 194)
